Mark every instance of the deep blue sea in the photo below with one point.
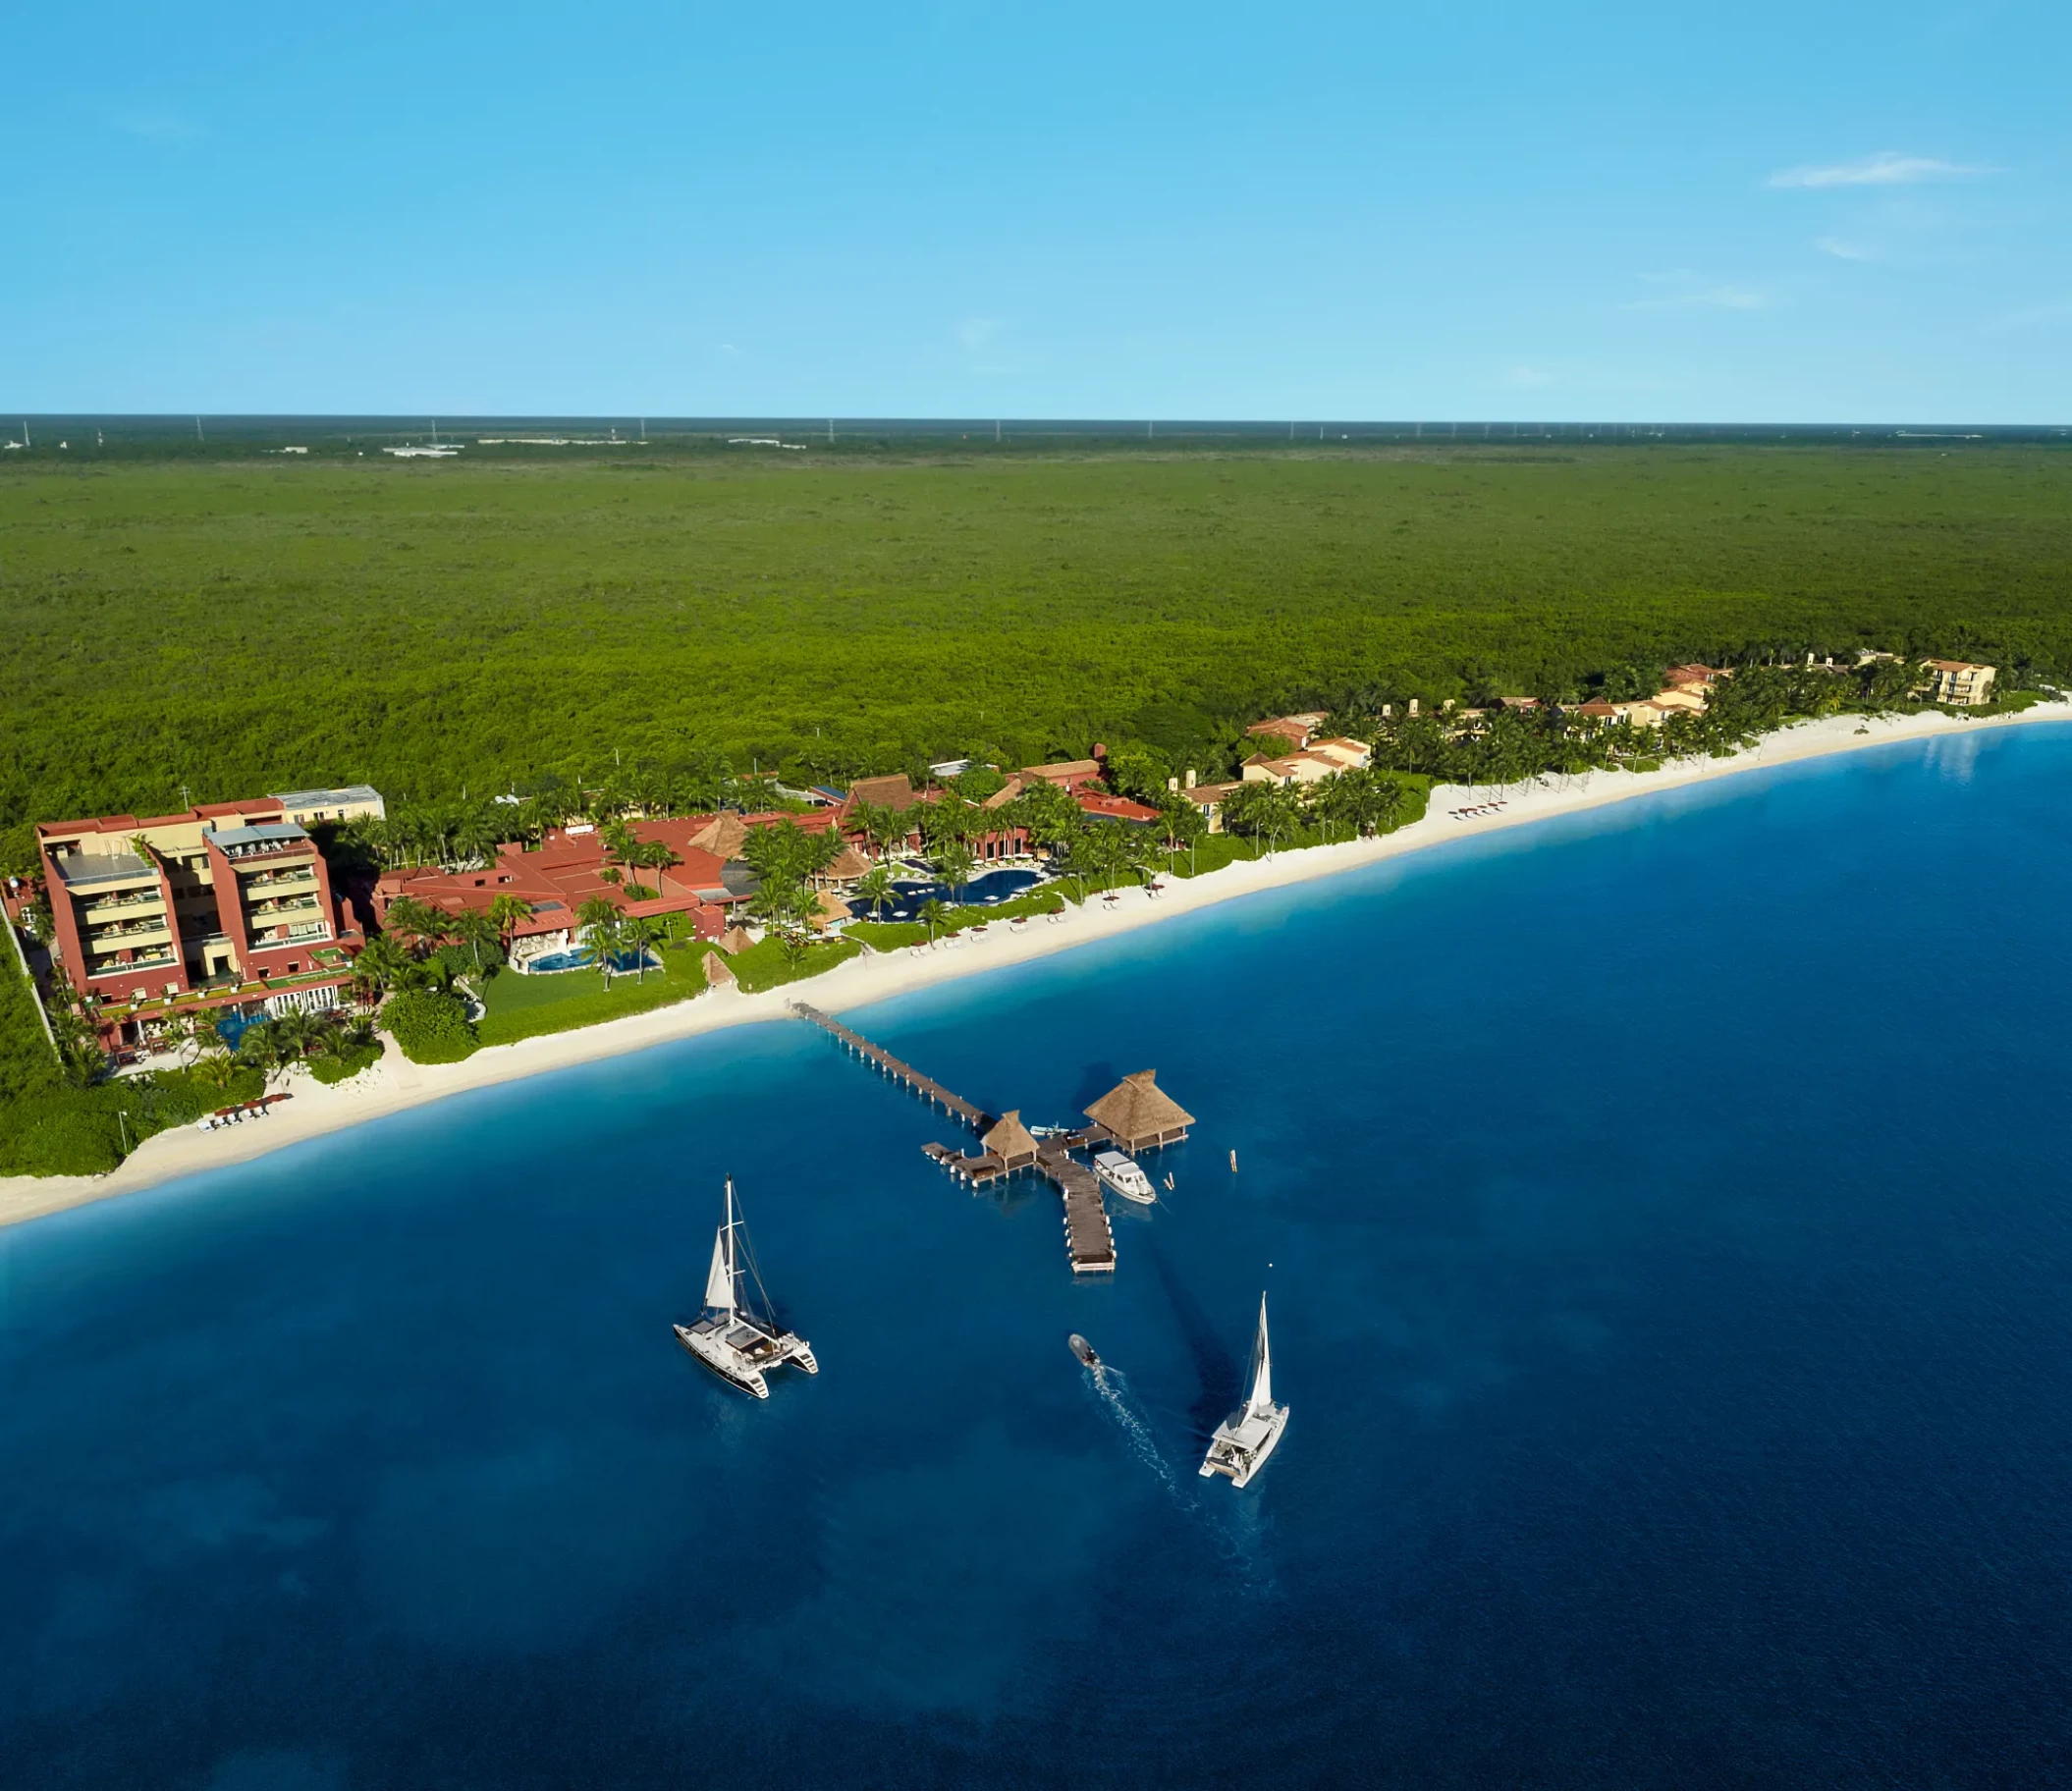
(1668, 1221)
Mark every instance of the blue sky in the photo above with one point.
(1806, 212)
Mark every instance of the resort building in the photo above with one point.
(355, 802)
(1209, 798)
(227, 903)
(573, 865)
(899, 794)
(1958, 681)
(1295, 729)
(1295, 768)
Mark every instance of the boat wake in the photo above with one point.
(1112, 1386)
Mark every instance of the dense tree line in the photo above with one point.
(226, 630)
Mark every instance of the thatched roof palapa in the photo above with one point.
(719, 973)
(721, 836)
(1010, 1140)
(734, 941)
(828, 908)
(847, 865)
(1139, 1112)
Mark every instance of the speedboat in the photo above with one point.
(1084, 1350)
(1120, 1174)
(736, 1335)
(1244, 1439)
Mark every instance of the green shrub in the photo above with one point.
(343, 1068)
(65, 1132)
(431, 1028)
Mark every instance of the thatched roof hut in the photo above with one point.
(719, 973)
(847, 867)
(1139, 1114)
(828, 908)
(1010, 1140)
(721, 836)
(735, 941)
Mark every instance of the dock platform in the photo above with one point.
(1089, 1239)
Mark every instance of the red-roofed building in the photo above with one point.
(567, 871)
(224, 904)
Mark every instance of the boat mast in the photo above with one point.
(721, 1283)
(1262, 1400)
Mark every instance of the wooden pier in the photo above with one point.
(1089, 1239)
(930, 1090)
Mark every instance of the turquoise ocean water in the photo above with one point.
(1668, 1225)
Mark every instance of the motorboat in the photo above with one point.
(737, 1335)
(1084, 1350)
(1244, 1439)
(1120, 1174)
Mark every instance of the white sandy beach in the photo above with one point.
(396, 1083)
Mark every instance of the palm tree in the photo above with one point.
(656, 856)
(597, 911)
(607, 941)
(505, 913)
(474, 929)
(874, 888)
(636, 935)
(381, 965)
(266, 1049)
(415, 921)
(954, 863)
(935, 914)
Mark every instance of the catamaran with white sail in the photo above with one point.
(736, 1337)
(1245, 1438)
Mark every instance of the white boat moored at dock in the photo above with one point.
(736, 1335)
(1122, 1173)
(1244, 1439)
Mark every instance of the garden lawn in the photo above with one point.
(525, 1006)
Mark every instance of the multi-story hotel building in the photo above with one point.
(231, 902)
(1958, 681)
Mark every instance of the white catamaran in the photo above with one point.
(1245, 1438)
(736, 1337)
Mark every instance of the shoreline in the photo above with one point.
(395, 1084)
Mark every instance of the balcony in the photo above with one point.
(273, 914)
(136, 966)
(108, 906)
(302, 877)
(115, 939)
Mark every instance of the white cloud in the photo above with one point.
(1887, 168)
(1843, 251)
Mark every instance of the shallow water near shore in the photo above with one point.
(1665, 1219)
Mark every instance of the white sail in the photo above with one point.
(718, 1283)
(1262, 1400)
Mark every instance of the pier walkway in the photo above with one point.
(926, 1087)
(1089, 1239)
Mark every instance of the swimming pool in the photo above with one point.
(985, 891)
(233, 1025)
(623, 962)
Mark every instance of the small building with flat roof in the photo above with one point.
(351, 802)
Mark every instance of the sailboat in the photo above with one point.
(1245, 1438)
(736, 1337)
